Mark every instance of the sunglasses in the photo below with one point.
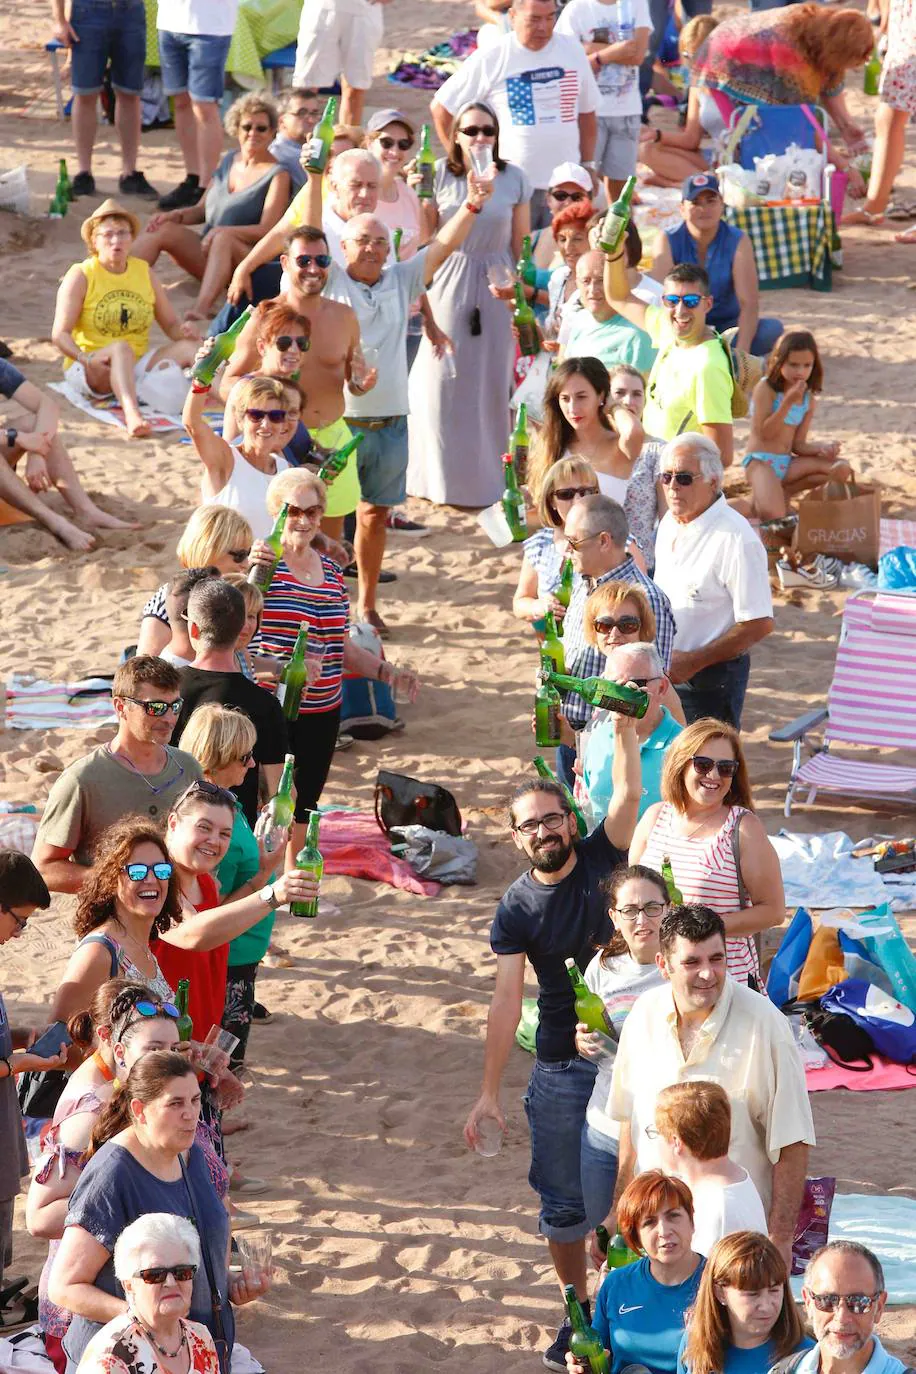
(208, 790)
(478, 130)
(308, 512)
(554, 820)
(856, 1303)
(285, 341)
(626, 624)
(643, 682)
(681, 479)
(137, 872)
(135, 1012)
(276, 417)
(691, 300)
(574, 196)
(158, 708)
(181, 1273)
(386, 141)
(570, 493)
(576, 544)
(255, 128)
(247, 758)
(654, 911)
(20, 922)
(239, 555)
(726, 768)
(322, 260)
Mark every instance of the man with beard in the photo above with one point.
(555, 911)
(844, 1297)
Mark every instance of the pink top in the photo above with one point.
(404, 214)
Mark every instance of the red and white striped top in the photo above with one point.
(704, 871)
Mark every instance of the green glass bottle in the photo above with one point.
(280, 807)
(56, 210)
(584, 1342)
(396, 243)
(552, 644)
(319, 149)
(292, 679)
(607, 696)
(675, 896)
(184, 1023)
(309, 860)
(221, 351)
(426, 166)
(518, 442)
(525, 269)
(334, 464)
(261, 574)
(529, 343)
(589, 1006)
(64, 185)
(564, 588)
(614, 228)
(546, 710)
(871, 76)
(513, 502)
(544, 770)
(618, 1252)
(602, 1236)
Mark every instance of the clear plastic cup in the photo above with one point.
(214, 1053)
(489, 1137)
(495, 526)
(481, 155)
(500, 274)
(314, 657)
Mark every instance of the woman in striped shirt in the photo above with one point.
(706, 805)
(308, 587)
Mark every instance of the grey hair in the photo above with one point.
(703, 449)
(643, 649)
(145, 1233)
(351, 158)
(603, 515)
(846, 1247)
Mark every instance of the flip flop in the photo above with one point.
(907, 236)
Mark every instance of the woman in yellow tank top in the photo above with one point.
(106, 307)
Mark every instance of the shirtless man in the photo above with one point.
(324, 368)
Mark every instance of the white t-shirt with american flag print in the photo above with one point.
(537, 97)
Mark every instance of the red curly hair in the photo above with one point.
(574, 215)
(832, 40)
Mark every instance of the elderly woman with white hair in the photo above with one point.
(155, 1260)
(713, 567)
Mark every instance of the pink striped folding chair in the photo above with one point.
(871, 701)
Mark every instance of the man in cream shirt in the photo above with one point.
(702, 1024)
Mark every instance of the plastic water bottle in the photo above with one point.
(624, 76)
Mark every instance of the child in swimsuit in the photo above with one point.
(780, 461)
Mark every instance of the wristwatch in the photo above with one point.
(11, 436)
(590, 166)
(268, 895)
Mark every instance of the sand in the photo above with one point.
(396, 1248)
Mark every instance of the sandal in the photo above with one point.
(907, 236)
(862, 216)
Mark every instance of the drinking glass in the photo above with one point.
(314, 657)
(500, 275)
(255, 1252)
(215, 1052)
(482, 161)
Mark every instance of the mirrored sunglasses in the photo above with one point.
(856, 1303)
(691, 300)
(158, 708)
(138, 872)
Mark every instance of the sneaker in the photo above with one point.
(554, 1356)
(183, 196)
(344, 741)
(396, 521)
(383, 577)
(136, 184)
(83, 184)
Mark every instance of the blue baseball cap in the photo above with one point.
(700, 181)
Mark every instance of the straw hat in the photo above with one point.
(107, 210)
(746, 372)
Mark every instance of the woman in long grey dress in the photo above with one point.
(459, 427)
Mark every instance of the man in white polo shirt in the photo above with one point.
(712, 566)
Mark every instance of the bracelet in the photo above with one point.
(474, 209)
(201, 388)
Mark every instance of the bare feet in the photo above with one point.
(70, 535)
(196, 313)
(872, 218)
(138, 428)
(101, 520)
(906, 236)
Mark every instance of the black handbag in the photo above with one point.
(400, 800)
(223, 1351)
(845, 1042)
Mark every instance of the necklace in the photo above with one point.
(125, 762)
(169, 1354)
(143, 950)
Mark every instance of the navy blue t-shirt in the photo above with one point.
(553, 923)
(11, 378)
(640, 1320)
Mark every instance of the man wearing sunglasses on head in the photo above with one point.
(690, 386)
(844, 1297)
(137, 774)
(713, 566)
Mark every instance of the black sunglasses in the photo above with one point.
(209, 791)
(247, 758)
(286, 341)
(181, 1273)
(255, 128)
(726, 768)
(276, 417)
(239, 555)
(626, 624)
(138, 872)
(570, 493)
(158, 709)
(681, 479)
(405, 144)
(476, 130)
(322, 260)
(568, 195)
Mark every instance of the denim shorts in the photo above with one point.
(381, 460)
(555, 1104)
(108, 31)
(194, 62)
(599, 1173)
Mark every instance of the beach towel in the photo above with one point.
(34, 704)
(110, 412)
(352, 844)
(430, 69)
(818, 871)
(884, 1077)
(887, 1225)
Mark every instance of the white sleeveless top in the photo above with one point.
(614, 487)
(246, 492)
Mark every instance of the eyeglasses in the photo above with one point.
(576, 544)
(209, 790)
(691, 300)
(681, 479)
(306, 112)
(856, 1303)
(137, 872)
(255, 128)
(573, 196)
(653, 910)
(239, 555)
(570, 493)
(181, 1273)
(726, 768)
(285, 341)
(21, 922)
(479, 130)
(305, 512)
(322, 260)
(554, 820)
(651, 1133)
(276, 417)
(158, 709)
(386, 141)
(626, 624)
(247, 758)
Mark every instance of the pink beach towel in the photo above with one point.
(884, 1076)
(352, 844)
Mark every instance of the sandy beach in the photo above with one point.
(397, 1249)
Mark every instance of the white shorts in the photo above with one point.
(337, 38)
(76, 377)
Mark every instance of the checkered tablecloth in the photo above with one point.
(262, 26)
(792, 244)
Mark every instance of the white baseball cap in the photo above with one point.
(571, 171)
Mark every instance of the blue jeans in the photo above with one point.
(598, 1169)
(717, 691)
(265, 284)
(555, 1104)
(566, 757)
(194, 62)
(108, 31)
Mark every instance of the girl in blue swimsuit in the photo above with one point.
(780, 461)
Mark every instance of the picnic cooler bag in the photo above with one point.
(841, 520)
